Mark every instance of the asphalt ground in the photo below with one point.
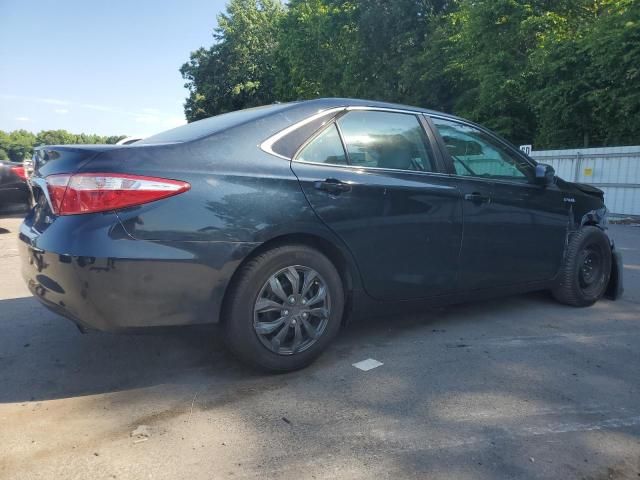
(518, 387)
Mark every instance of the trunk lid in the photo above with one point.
(49, 160)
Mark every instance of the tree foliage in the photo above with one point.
(586, 78)
(559, 73)
(238, 71)
(19, 144)
(324, 33)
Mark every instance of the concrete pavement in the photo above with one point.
(519, 387)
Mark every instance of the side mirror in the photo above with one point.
(545, 174)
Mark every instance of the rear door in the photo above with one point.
(373, 178)
(514, 229)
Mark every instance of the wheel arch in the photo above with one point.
(595, 218)
(592, 218)
(338, 255)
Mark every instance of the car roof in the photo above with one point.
(294, 111)
(331, 102)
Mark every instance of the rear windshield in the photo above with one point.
(211, 125)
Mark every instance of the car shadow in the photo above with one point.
(423, 415)
(44, 356)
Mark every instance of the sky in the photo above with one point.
(105, 67)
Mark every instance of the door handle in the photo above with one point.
(332, 185)
(477, 197)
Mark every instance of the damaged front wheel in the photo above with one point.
(586, 270)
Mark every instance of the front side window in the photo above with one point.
(477, 154)
(386, 140)
(325, 148)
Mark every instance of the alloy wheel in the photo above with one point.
(292, 310)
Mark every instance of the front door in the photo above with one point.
(514, 229)
(372, 177)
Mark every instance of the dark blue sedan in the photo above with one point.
(282, 221)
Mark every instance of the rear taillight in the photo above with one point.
(100, 192)
(19, 171)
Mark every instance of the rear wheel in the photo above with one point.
(284, 308)
(587, 268)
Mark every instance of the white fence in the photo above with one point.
(616, 170)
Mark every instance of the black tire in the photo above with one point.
(238, 315)
(585, 274)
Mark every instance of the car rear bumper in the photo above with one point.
(100, 278)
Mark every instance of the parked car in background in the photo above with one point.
(14, 191)
(282, 221)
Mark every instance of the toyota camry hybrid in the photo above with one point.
(280, 222)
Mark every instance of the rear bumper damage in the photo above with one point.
(126, 283)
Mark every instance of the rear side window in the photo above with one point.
(386, 140)
(288, 145)
(325, 148)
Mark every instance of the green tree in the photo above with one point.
(112, 139)
(318, 40)
(489, 58)
(238, 71)
(561, 72)
(391, 35)
(586, 79)
(62, 137)
(432, 77)
(20, 145)
(4, 145)
(17, 145)
(55, 137)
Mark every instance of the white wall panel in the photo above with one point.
(616, 170)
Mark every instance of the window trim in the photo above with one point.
(449, 159)
(316, 134)
(438, 164)
(341, 137)
(355, 108)
(267, 145)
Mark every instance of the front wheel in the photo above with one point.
(284, 308)
(585, 274)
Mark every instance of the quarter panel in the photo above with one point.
(106, 280)
(238, 192)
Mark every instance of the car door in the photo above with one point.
(514, 229)
(372, 177)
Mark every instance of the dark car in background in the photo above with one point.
(281, 222)
(14, 191)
